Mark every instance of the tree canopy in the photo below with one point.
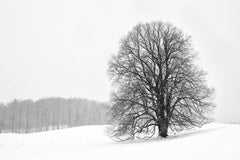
(158, 86)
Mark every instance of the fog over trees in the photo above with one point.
(25, 116)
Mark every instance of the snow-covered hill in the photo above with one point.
(213, 141)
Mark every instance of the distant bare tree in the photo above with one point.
(2, 117)
(12, 114)
(28, 107)
(159, 88)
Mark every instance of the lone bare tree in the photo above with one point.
(158, 86)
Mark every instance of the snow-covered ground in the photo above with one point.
(213, 141)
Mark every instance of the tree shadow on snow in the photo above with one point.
(172, 136)
(189, 133)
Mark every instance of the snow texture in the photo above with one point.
(213, 141)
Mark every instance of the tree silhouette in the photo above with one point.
(158, 86)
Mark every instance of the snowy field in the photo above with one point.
(213, 141)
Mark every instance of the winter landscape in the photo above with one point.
(213, 141)
(119, 79)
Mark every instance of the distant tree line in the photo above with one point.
(25, 116)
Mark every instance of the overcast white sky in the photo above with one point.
(61, 47)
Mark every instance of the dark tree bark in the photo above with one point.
(158, 84)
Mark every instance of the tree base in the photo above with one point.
(163, 130)
(163, 135)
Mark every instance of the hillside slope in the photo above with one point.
(213, 141)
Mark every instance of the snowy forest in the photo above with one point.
(25, 116)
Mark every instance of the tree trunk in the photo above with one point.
(163, 129)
